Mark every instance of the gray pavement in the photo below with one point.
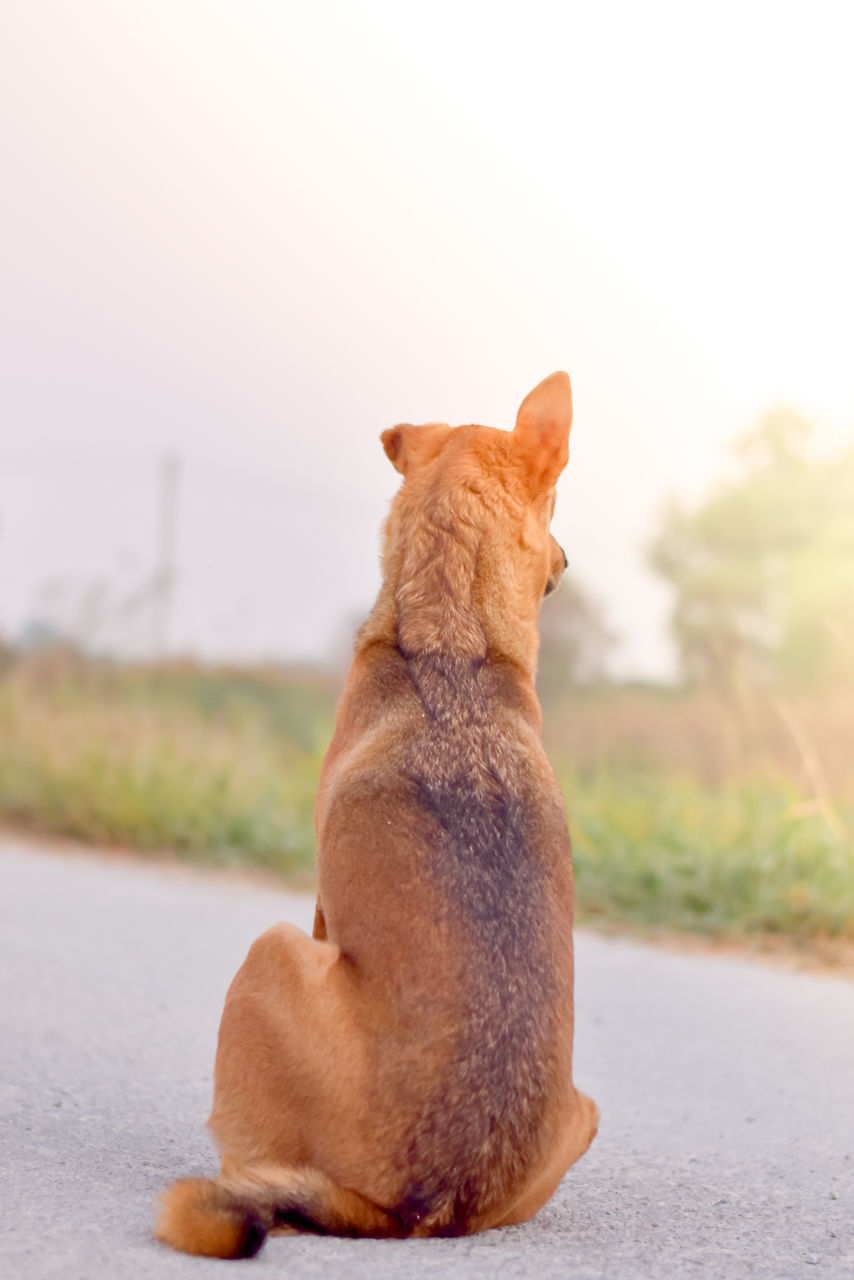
(726, 1090)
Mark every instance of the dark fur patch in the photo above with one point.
(474, 787)
(307, 1209)
(307, 1212)
(301, 1217)
(253, 1235)
(250, 1227)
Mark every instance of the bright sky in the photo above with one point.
(256, 234)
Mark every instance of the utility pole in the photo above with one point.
(163, 594)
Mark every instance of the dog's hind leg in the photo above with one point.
(231, 1217)
(290, 1065)
(570, 1144)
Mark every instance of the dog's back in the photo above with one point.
(500, 868)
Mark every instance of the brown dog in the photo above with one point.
(408, 1070)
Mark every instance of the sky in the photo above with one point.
(252, 236)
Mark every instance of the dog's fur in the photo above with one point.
(408, 1070)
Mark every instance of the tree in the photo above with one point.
(763, 569)
(575, 640)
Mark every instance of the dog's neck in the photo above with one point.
(435, 601)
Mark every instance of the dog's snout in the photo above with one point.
(559, 565)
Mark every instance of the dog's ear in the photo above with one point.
(542, 431)
(407, 446)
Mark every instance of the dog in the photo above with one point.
(407, 1071)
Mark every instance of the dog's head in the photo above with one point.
(468, 548)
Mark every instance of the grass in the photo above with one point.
(734, 861)
(220, 767)
(673, 827)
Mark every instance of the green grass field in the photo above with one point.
(219, 767)
(735, 860)
(671, 830)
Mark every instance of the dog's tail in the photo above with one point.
(230, 1217)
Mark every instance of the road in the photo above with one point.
(726, 1090)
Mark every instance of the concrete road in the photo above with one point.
(726, 1090)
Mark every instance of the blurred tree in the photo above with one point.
(575, 640)
(763, 570)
